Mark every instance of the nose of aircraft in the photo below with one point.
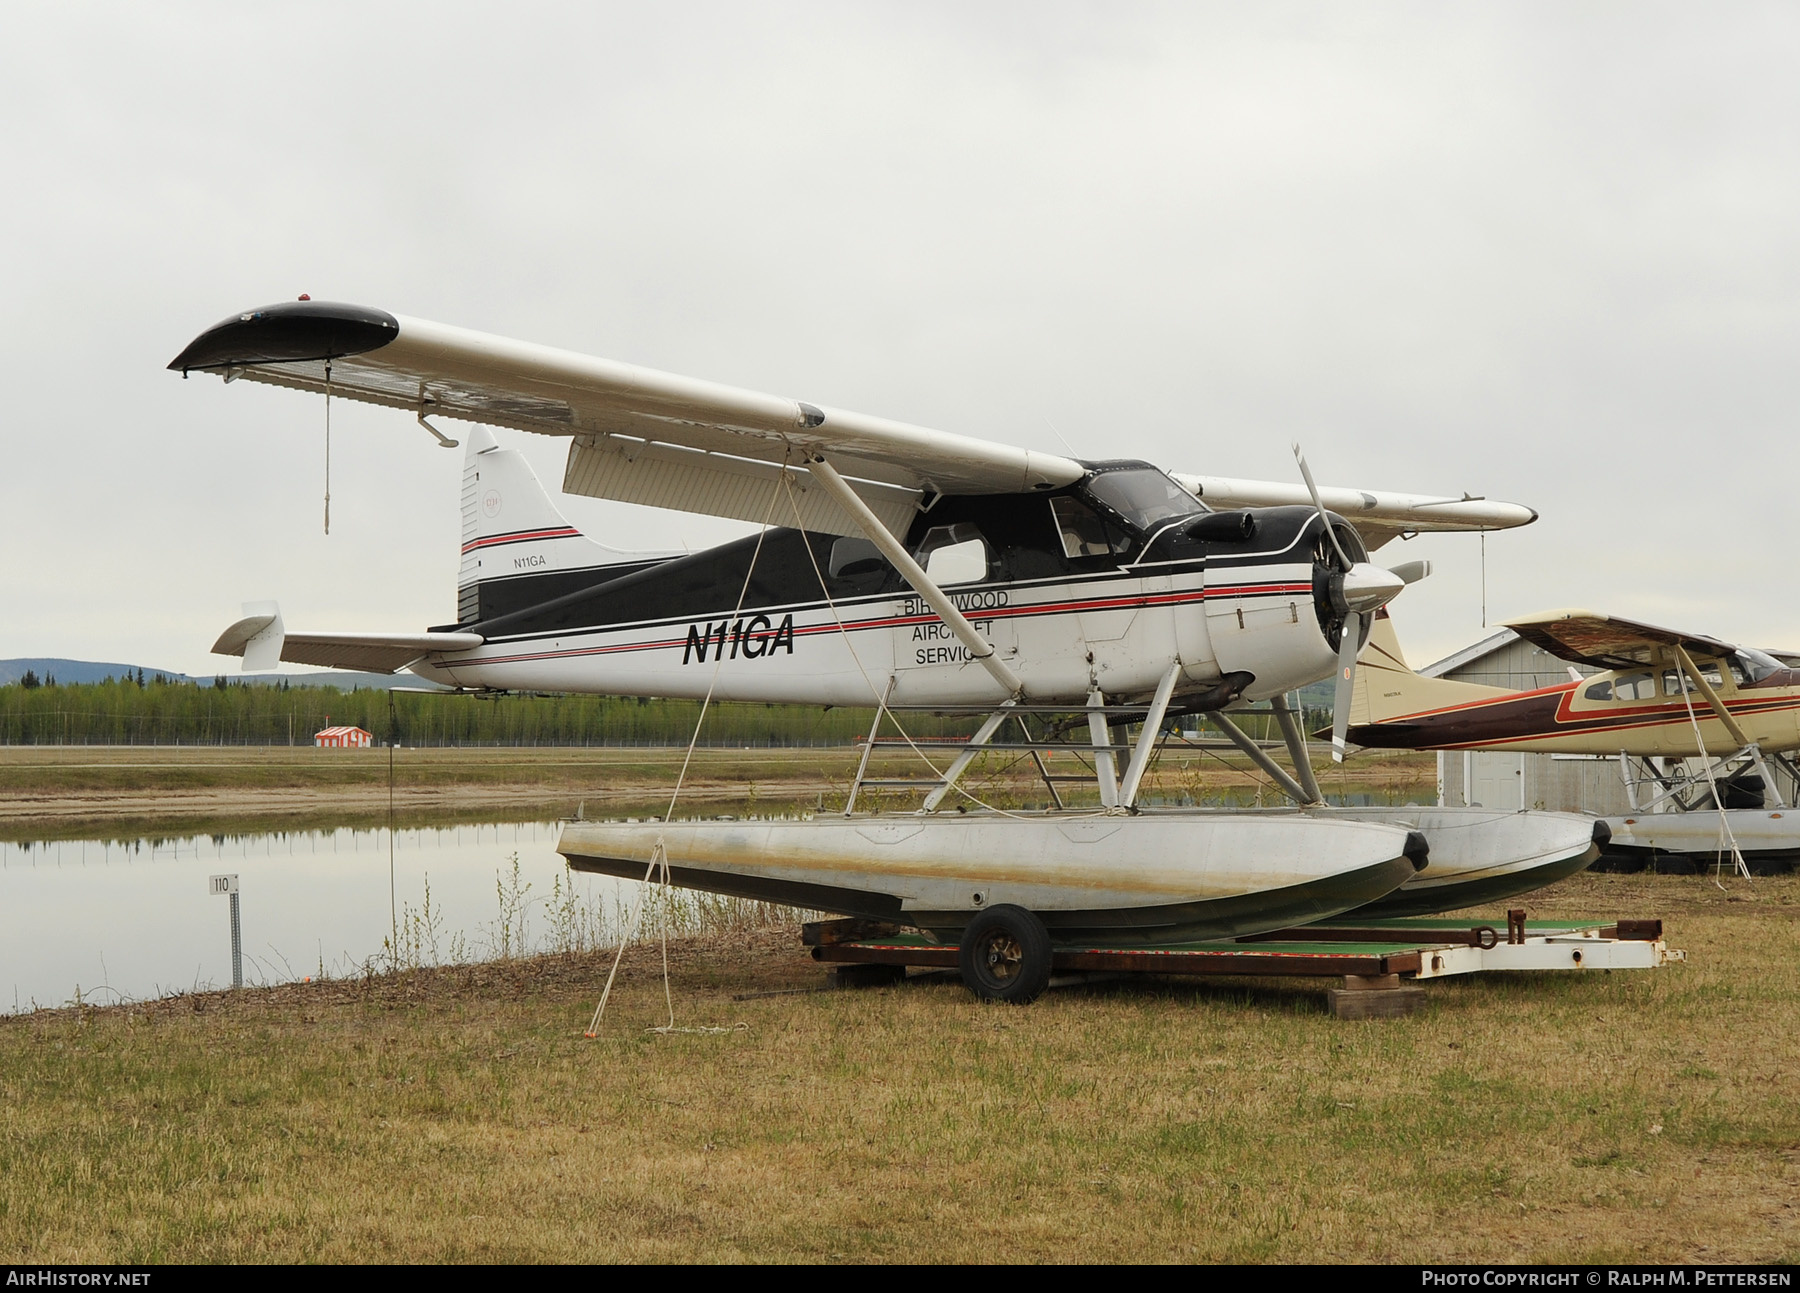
(1369, 587)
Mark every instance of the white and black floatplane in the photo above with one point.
(906, 568)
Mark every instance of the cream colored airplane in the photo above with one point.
(1663, 694)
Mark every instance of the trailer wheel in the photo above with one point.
(1005, 955)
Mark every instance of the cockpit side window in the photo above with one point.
(1084, 533)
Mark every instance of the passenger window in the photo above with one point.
(853, 557)
(1635, 686)
(954, 554)
(960, 563)
(1672, 683)
(1083, 533)
(1599, 691)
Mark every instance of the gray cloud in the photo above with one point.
(1537, 252)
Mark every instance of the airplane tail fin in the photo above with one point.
(517, 549)
(1388, 690)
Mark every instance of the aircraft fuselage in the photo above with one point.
(1073, 598)
(1640, 711)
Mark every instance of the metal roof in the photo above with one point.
(1486, 647)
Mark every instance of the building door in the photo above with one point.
(1494, 780)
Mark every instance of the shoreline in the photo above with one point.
(59, 792)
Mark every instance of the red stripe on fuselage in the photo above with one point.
(1129, 601)
(522, 536)
(1570, 723)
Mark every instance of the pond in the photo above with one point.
(113, 920)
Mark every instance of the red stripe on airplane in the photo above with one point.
(522, 536)
(903, 621)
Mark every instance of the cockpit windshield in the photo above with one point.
(1143, 496)
(1758, 664)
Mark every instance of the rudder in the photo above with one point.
(517, 549)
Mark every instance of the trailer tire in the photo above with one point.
(1005, 955)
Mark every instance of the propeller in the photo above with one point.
(1362, 589)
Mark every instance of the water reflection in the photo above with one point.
(114, 919)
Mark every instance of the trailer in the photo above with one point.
(1381, 962)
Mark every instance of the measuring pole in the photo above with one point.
(228, 884)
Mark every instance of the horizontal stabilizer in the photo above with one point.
(368, 652)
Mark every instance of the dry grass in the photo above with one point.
(459, 1114)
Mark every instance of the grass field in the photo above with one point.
(458, 1114)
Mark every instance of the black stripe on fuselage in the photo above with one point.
(1020, 531)
(494, 598)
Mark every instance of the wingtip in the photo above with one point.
(288, 332)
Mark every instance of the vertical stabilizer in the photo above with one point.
(1387, 689)
(517, 549)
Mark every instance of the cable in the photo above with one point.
(880, 696)
(659, 853)
(1737, 855)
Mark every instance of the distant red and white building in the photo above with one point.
(343, 738)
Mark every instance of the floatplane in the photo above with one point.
(903, 568)
(1699, 726)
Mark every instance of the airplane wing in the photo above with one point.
(1607, 642)
(366, 652)
(1377, 515)
(643, 436)
(639, 435)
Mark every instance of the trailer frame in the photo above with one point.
(1382, 962)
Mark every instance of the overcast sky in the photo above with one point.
(1542, 253)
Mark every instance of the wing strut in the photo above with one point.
(980, 649)
(1712, 697)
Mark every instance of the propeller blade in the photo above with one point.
(1410, 572)
(1346, 683)
(1318, 503)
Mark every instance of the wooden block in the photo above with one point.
(1371, 982)
(1380, 1003)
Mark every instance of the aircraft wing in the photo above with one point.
(639, 435)
(1607, 642)
(1377, 515)
(642, 436)
(365, 652)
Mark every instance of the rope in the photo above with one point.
(877, 692)
(659, 853)
(327, 446)
(1739, 866)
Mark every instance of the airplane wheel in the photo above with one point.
(1005, 955)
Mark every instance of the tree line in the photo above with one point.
(161, 711)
